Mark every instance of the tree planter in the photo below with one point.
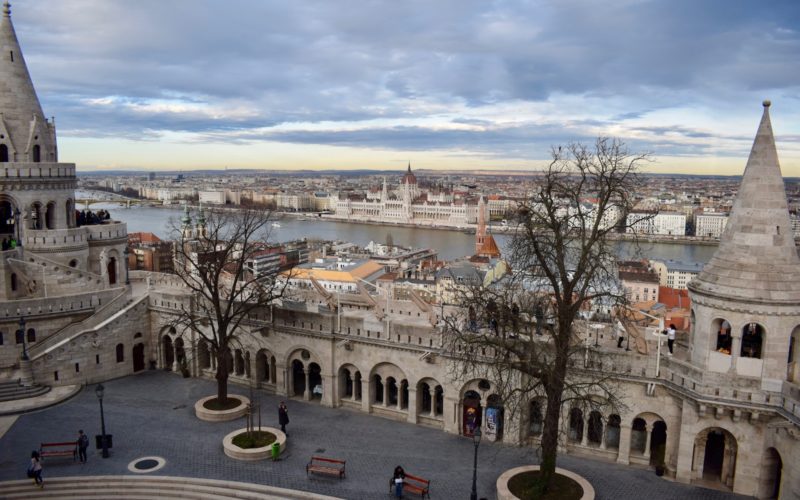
(503, 493)
(204, 413)
(251, 454)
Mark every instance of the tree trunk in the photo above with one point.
(222, 376)
(554, 388)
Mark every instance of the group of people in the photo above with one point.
(89, 218)
(9, 243)
(35, 465)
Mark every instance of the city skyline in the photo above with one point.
(453, 85)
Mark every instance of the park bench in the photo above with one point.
(329, 466)
(67, 449)
(414, 484)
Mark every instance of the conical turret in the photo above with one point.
(24, 131)
(757, 260)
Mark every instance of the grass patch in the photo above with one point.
(214, 404)
(523, 486)
(257, 439)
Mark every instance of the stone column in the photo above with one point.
(648, 434)
(175, 366)
(603, 430)
(400, 397)
(623, 457)
(585, 436)
(412, 405)
(432, 393)
(451, 415)
(385, 401)
(736, 349)
(683, 471)
(307, 392)
(365, 395)
(354, 391)
(328, 397)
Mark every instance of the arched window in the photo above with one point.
(120, 353)
(752, 339)
(31, 335)
(37, 153)
(20, 336)
(50, 216)
(1, 338)
(3, 153)
(575, 425)
(14, 283)
(724, 339)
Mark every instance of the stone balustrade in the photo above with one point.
(108, 230)
(23, 171)
(47, 238)
(56, 305)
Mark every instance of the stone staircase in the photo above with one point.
(11, 390)
(72, 330)
(147, 488)
(59, 279)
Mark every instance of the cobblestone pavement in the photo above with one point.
(152, 413)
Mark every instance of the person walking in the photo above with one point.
(398, 478)
(83, 443)
(283, 417)
(671, 338)
(35, 469)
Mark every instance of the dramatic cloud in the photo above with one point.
(502, 79)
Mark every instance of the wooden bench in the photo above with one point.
(329, 466)
(67, 449)
(414, 484)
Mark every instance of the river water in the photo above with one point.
(450, 244)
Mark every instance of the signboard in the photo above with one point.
(492, 423)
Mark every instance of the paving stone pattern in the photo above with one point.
(152, 414)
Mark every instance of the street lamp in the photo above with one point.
(126, 252)
(22, 333)
(17, 215)
(476, 438)
(99, 391)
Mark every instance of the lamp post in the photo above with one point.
(104, 442)
(24, 344)
(476, 438)
(126, 252)
(17, 215)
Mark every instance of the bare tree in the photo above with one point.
(521, 332)
(217, 260)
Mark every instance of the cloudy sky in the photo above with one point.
(445, 84)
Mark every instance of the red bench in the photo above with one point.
(414, 484)
(68, 449)
(329, 466)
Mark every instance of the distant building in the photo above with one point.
(710, 225)
(639, 281)
(669, 224)
(676, 274)
(149, 253)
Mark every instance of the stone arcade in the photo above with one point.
(726, 416)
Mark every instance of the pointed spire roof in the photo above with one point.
(757, 259)
(19, 105)
(489, 248)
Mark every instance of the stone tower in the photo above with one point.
(37, 194)
(746, 301)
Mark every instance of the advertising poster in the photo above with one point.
(492, 415)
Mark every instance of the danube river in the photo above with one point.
(450, 244)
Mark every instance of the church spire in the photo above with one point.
(756, 259)
(28, 135)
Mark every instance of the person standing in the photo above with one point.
(398, 478)
(35, 469)
(83, 443)
(283, 417)
(671, 337)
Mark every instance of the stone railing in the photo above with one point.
(47, 238)
(56, 305)
(21, 171)
(108, 230)
(100, 315)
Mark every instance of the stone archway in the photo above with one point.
(715, 456)
(168, 353)
(315, 380)
(769, 485)
(298, 378)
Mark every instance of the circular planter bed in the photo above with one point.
(205, 409)
(249, 454)
(568, 485)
